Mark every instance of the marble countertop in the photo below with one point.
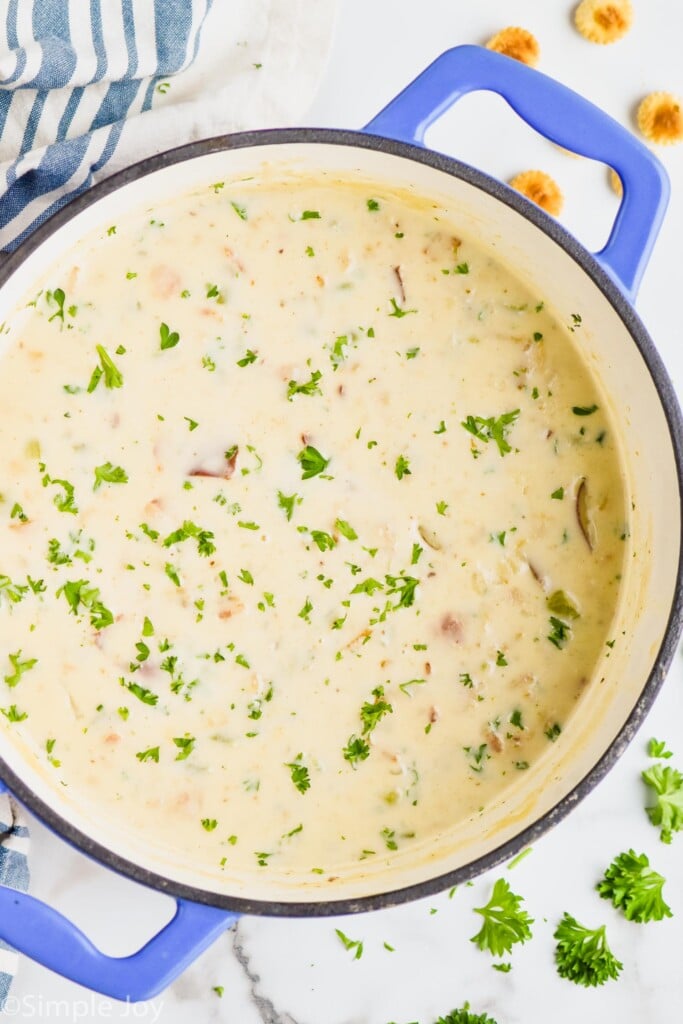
(298, 972)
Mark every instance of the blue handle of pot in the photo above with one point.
(560, 115)
(46, 936)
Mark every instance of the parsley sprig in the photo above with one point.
(635, 888)
(505, 923)
(582, 954)
(667, 811)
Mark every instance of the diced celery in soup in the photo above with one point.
(312, 525)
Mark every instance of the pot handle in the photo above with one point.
(560, 115)
(46, 936)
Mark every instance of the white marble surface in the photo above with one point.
(297, 972)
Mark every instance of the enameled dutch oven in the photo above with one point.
(644, 409)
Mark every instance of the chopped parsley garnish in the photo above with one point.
(441, 429)
(309, 387)
(299, 773)
(204, 538)
(492, 428)
(151, 754)
(168, 338)
(667, 811)
(310, 215)
(345, 529)
(558, 494)
(81, 592)
(239, 210)
(442, 507)
(19, 667)
(18, 513)
(12, 713)
(350, 944)
(397, 311)
(312, 462)
(560, 632)
(553, 731)
(404, 586)
(172, 573)
(110, 474)
(357, 749)
(505, 923)
(372, 205)
(59, 298)
(141, 692)
(305, 612)
(246, 577)
(584, 410)
(582, 954)
(324, 541)
(657, 748)
(185, 746)
(635, 888)
(368, 586)
(248, 358)
(209, 824)
(113, 378)
(501, 660)
(287, 502)
(466, 680)
(64, 502)
(372, 712)
(402, 467)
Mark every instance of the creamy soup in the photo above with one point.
(312, 525)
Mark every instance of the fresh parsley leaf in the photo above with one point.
(635, 888)
(239, 210)
(151, 754)
(372, 712)
(249, 357)
(372, 205)
(584, 410)
(505, 923)
(312, 462)
(357, 749)
(350, 944)
(657, 748)
(324, 541)
(185, 746)
(560, 632)
(12, 713)
(287, 502)
(398, 311)
(81, 592)
(19, 667)
(168, 338)
(107, 368)
(309, 387)
(204, 538)
(667, 811)
(492, 428)
(582, 954)
(110, 474)
(402, 467)
(141, 692)
(558, 494)
(299, 773)
(345, 529)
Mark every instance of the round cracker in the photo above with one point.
(603, 21)
(541, 189)
(660, 118)
(517, 43)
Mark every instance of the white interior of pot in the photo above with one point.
(649, 581)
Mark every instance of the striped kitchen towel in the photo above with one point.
(90, 86)
(13, 872)
(71, 72)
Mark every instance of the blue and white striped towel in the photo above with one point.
(71, 72)
(90, 86)
(13, 872)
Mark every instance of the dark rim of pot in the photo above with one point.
(665, 390)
